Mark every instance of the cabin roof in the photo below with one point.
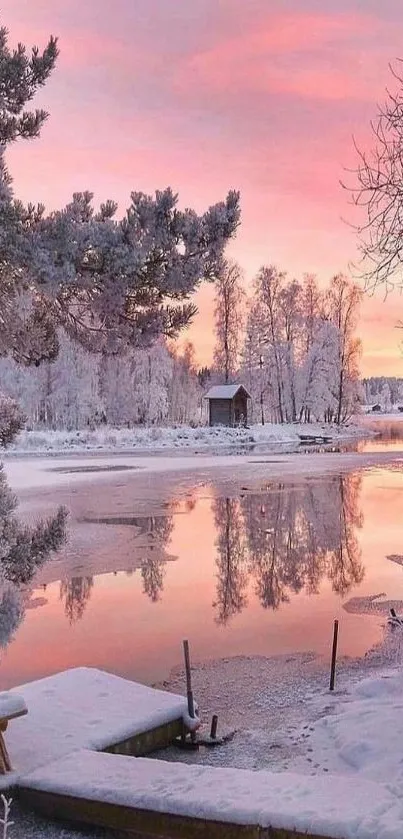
(225, 391)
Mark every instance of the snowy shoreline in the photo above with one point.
(284, 718)
(157, 439)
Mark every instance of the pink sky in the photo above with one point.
(207, 95)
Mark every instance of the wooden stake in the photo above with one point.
(213, 730)
(191, 706)
(334, 655)
(5, 764)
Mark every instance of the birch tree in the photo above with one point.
(269, 286)
(229, 318)
(343, 302)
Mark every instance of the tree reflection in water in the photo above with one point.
(287, 540)
(152, 535)
(231, 555)
(75, 594)
(158, 532)
(23, 550)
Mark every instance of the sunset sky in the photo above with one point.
(207, 95)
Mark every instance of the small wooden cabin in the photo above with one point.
(228, 405)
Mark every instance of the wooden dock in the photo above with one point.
(145, 823)
(154, 798)
(73, 760)
(86, 708)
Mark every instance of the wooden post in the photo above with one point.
(5, 764)
(334, 655)
(213, 730)
(191, 707)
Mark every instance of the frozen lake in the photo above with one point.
(255, 558)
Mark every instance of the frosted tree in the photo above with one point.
(185, 391)
(343, 302)
(318, 353)
(116, 283)
(386, 391)
(152, 371)
(292, 322)
(300, 355)
(317, 374)
(108, 282)
(73, 401)
(60, 394)
(134, 386)
(253, 370)
(116, 389)
(229, 318)
(25, 332)
(269, 286)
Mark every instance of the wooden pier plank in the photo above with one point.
(136, 822)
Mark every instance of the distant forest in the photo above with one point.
(386, 391)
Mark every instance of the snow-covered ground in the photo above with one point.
(181, 438)
(359, 731)
(284, 718)
(335, 771)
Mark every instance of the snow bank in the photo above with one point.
(84, 708)
(325, 806)
(176, 439)
(360, 731)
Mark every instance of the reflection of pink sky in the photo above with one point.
(206, 96)
(123, 631)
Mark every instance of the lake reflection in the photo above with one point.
(287, 542)
(262, 573)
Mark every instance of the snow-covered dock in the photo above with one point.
(86, 708)
(63, 769)
(154, 798)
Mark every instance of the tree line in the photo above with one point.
(79, 389)
(292, 344)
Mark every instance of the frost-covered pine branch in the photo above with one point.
(108, 282)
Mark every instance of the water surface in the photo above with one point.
(260, 572)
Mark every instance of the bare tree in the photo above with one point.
(229, 317)
(378, 188)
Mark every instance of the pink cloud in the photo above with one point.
(303, 54)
